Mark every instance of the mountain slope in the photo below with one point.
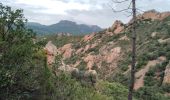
(64, 26)
(108, 52)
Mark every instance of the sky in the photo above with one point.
(91, 12)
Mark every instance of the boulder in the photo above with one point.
(154, 34)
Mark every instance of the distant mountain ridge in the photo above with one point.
(63, 26)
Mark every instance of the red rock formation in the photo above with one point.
(51, 51)
(124, 38)
(67, 51)
(116, 28)
(88, 37)
(113, 55)
(154, 15)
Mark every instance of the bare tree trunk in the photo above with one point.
(132, 80)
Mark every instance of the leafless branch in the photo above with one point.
(122, 10)
(139, 10)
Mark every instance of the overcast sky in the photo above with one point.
(92, 12)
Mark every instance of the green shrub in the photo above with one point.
(150, 93)
(166, 88)
(72, 59)
(82, 65)
(114, 90)
(121, 78)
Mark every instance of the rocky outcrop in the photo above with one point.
(87, 47)
(79, 50)
(88, 37)
(167, 74)
(154, 15)
(91, 60)
(109, 56)
(116, 28)
(113, 55)
(51, 51)
(67, 68)
(66, 50)
(162, 41)
(124, 38)
(88, 75)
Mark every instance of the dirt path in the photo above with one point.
(141, 74)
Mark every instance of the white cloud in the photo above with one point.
(81, 11)
(53, 6)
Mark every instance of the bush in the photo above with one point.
(114, 90)
(121, 78)
(150, 93)
(166, 88)
(67, 88)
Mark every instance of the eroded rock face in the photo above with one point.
(88, 37)
(117, 27)
(113, 55)
(154, 15)
(79, 50)
(67, 68)
(167, 74)
(67, 51)
(88, 75)
(87, 47)
(124, 38)
(91, 60)
(93, 45)
(51, 51)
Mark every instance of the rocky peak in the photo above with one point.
(117, 27)
(67, 22)
(154, 15)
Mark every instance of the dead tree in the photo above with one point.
(132, 7)
(133, 67)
